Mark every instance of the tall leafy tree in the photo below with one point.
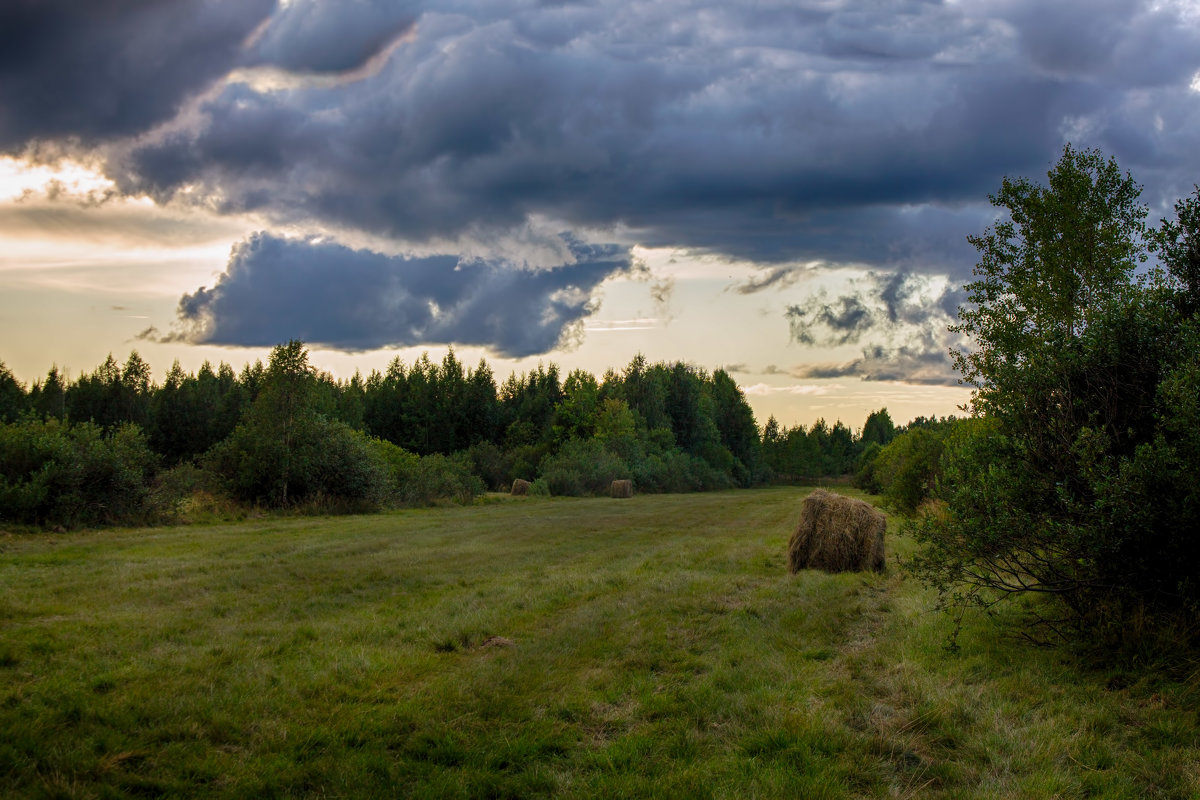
(1177, 243)
(1077, 483)
(48, 398)
(286, 450)
(482, 408)
(13, 400)
(735, 422)
(576, 416)
(878, 428)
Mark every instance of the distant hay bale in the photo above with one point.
(520, 488)
(621, 489)
(837, 534)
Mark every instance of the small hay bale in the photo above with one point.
(520, 488)
(621, 489)
(837, 534)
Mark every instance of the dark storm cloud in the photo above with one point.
(781, 132)
(849, 132)
(277, 289)
(100, 69)
(316, 36)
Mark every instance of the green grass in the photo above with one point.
(656, 647)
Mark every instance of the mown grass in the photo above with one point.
(653, 647)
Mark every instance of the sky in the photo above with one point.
(779, 189)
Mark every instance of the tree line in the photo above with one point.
(286, 433)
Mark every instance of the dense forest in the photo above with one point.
(93, 450)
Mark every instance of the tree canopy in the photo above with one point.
(1080, 480)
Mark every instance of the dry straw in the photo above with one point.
(621, 489)
(520, 488)
(837, 534)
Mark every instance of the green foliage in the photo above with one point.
(675, 471)
(738, 431)
(320, 458)
(274, 433)
(425, 480)
(582, 466)
(431, 408)
(797, 454)
(437, 477)
(191, 413)
(286, 452)
(579, 407)
(491, 464)
(13, 400)
(1080, 480)
(864, 472)
(524, 461)
(54, 474)
(616, 428)
(48, 398)
(1177, 243)
(906, 472)
(878, 428)
(111, 396)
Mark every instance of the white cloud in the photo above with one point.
(762, 389)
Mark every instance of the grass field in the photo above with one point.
(653, 647)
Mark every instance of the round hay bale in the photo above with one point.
(621, 489)
(837, 534)
(520, 488)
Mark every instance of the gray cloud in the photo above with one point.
(316, 36)
(102, 69)
(850, 133)
(925, 363)
(275, 289)
(843, 321)
(903, 318)
(772, 278)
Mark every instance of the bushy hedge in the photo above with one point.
(323, 459)
(675, 471)
(582, 466)
(431, 478)
(589, 466)
(55, 474)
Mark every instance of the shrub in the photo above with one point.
(675, 471)
(864, 470)
(906, 471)
(321, 458)
(523, 461)
(491, 464)
(436, 477)
(55, 474)
(582, 466)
